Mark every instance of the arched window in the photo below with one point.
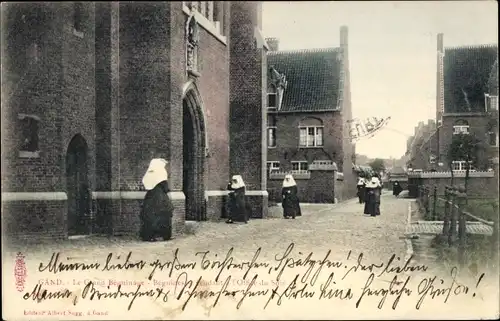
(272, 97)
(461, 127)
(311, 132)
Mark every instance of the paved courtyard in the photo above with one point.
(339, 228)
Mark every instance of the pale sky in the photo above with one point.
(392, 53)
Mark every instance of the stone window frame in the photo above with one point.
(316, 131)
(299, 166)
(270, 166)
(78, 18)
(213, 26)
(30, 153)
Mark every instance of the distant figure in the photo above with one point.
(361, 190)
(396, 189)
(238, 209)
(157, 210)
(290, 199)
(372, 202)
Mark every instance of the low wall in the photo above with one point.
(318, 187)
(480, 184)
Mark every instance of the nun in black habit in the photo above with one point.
(157, 210)
(238, 209)
(396, 189)
(289, 198)
(361, 190)
(373, 191)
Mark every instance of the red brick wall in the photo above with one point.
(248, 85)
(320, 188)
(286, 151)
(58, 87)
(476, 186)
(27, 219)
(287, 139)
(124, 98)
(478, 127)
(35, 88)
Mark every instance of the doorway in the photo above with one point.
(77, 186)
(193, 159)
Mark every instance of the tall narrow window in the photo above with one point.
(28, 142)
(303, 137)
(78, 16)
(493, 138)
(272, 97)
(271, 131)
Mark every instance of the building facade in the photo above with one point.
(308, 109)
(94, 91)
(468, 100)
(422, 147)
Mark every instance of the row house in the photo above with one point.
(467, 100)
(92, 91)
(422, 147)
(308, 105)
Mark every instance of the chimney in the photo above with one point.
(344, 32)
(273, 44)
(440, 42)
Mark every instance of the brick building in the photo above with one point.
(422, 147)
(94, 91)
(467, 100)
(308, 108)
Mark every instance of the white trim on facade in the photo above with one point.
(34, 196)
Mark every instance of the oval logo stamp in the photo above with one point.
(20, 271)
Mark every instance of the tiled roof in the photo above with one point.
(313, 77)
(466, 74)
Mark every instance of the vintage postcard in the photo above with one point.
(249, 160)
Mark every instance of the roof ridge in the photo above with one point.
(309, 50)
(490, 45)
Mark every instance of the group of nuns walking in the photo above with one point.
(239, 209)
(157, 210)
(369, 191)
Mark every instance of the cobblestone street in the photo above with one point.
(340, 228)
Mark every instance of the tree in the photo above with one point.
(377, 165)
(464, 147)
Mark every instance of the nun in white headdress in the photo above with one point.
(373, 191)
(238, 210)
(289, 198)
(157, 209)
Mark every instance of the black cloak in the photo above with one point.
(290, 202)
(156, 214)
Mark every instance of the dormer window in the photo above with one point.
(272, 97)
